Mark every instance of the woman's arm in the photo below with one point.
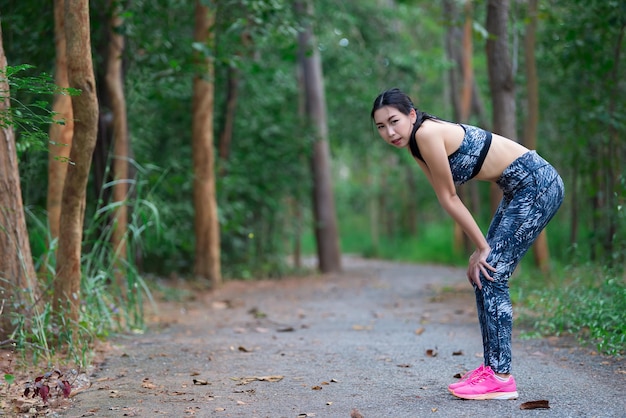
(437, 170)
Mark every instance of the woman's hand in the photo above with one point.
(478, 264)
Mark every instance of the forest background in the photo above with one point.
(247, 144)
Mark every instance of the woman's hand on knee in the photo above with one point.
(477, 265)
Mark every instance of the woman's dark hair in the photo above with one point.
(394, 98)
(397, 99)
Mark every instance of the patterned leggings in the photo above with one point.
(533, 192)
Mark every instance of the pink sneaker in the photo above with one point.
(487, 386)
(467, 376)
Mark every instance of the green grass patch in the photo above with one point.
(432, 244)
(585, 302)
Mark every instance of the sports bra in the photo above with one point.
(468, 159)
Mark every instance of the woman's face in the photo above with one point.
(394, 126)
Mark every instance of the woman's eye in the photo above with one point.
(393, 122)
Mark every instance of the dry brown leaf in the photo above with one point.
(246, 380)
(457, 353)
(431, 352)
(361, 327)
(420, 331)
(542, 404)
(200, 382)
(316, 388)
(356, 414)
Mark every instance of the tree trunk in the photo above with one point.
(115, 87)
(60, 134)
(462, 91)
(226, 134)
(326, 232)
(540, 247)
(615, 175)
(501, 80)
(85, 105)
(19, 289)
(207, 257)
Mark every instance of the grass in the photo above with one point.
(113, 291)
(586, 302)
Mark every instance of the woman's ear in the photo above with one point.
(413, 116)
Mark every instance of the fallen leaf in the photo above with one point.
(244, 349)
(431, 352)
(246, 380)
(361, 327)
(406, 366)
(420, 331)
(200, 382)
(542, 404)
(147, 384)
(457, 353)
(316, 388)
(286, 329)
(356, 414)
(433, 409)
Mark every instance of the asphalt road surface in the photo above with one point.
(379, 340)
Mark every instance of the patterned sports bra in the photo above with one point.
(467, 160)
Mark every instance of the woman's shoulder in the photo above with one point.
(440, 128)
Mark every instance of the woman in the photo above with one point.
(451, 154)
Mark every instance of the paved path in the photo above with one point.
(382, 338)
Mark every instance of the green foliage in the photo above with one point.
(583, 302)
(30, 119)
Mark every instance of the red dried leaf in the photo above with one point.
(65, 387)
(44, 391)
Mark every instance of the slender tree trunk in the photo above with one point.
(60, 134)
(462, 93)
(615, 186)
(207, 258)
(326, 230)
(85, 105)
(500, 77)
(226, 134)
(115, 88)
(18, 283)
(467, 67)
(540, 247)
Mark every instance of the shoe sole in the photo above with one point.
(489, 396)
